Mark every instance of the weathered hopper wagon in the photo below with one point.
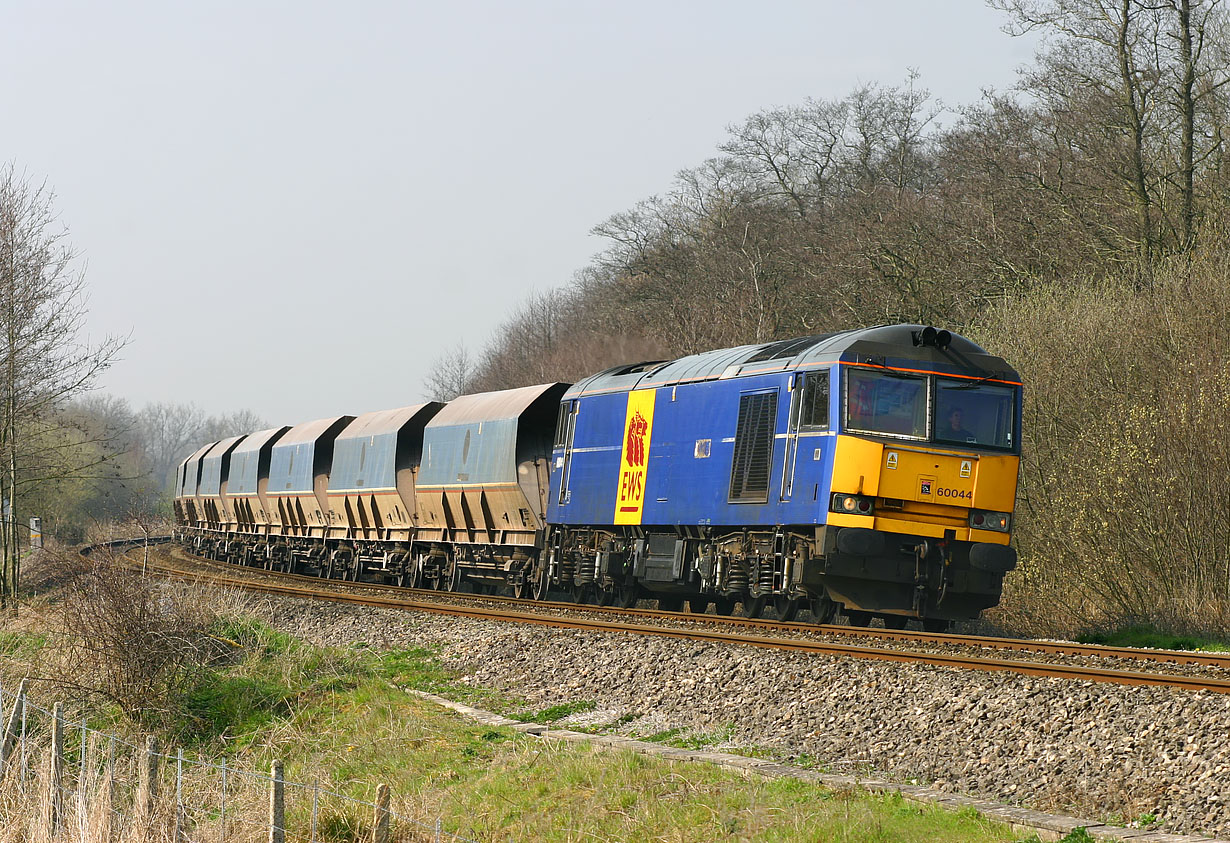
(482, 487)
(212, 489)
(299, 477)
(248, 482)
(188, 476)
(371, 484)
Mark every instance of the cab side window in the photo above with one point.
(814, 402)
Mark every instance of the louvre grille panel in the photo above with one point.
(753, 457)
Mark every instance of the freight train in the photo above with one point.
(870, 472)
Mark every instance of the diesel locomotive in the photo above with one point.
(871, 472)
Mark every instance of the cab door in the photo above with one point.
(565, 434)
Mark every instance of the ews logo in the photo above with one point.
(634, 447)
(634, 463)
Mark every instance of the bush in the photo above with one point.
(1124, 501)
(128, 639)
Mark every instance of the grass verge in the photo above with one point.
(1149, 638)
(341, 715)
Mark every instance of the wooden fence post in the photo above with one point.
(277, 804)
(13, 725)
(381, 821)
(106, 798)
(147, 792)
(55, 769)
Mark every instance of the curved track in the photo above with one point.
(798, 637)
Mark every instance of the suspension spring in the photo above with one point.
(764, 577)
(586, 569)
(567, 567)
(737, 576)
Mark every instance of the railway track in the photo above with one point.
(1203, 671)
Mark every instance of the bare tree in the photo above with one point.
(451, 374)
(43, 364)
(166, 431)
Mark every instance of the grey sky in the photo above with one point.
(294, 207)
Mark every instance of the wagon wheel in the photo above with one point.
(454, 578)
(935, 625)
(414, 577)
(605, 596)
(823, 609)
(895, 621)
(787, 607)
(754, 607)
(724, 605)
(858, 618)
(670, 604)
(581, 593)
(698, 605)
(542, 581)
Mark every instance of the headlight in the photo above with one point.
(851, 504)
(981, 519)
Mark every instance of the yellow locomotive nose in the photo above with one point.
(924, 490)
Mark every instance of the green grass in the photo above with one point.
(340, 719)
(21, 645)
(554, 713)
(342, 715)
(1149, 638)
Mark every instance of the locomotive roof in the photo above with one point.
(884, 342)
(490, 406)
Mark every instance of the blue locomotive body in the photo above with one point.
(691, 456)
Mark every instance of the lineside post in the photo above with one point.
(55, 770)
(13, 725)
(277, 804)
(381, 821)
(147, 793)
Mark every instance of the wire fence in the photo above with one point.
(63, 781)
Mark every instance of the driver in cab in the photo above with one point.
(954, 431)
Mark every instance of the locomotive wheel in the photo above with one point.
(626, 595)
(787, 607)
(895, 621)
(823, 610)
(858, 618)
(698, 605)
(753, 607)
(724, 605)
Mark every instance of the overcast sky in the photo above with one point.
(293, 208)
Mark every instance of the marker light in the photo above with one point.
(852, 504)
(981, 519)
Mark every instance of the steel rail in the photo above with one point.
(1074, 672)
(1064, 648)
